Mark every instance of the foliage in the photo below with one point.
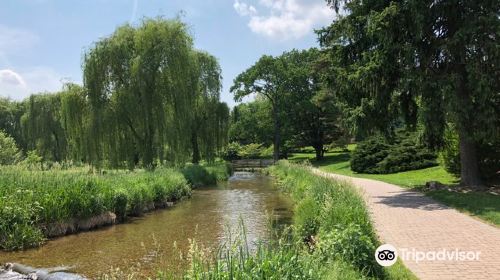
(266, 78)
(207, 174)
(378, 155)
(231, 151)
(42, 127)
(250, 151)
(148, 98)
(252, 123)
(33, 160)
(9, 153)
(34, 200)
(301, 114)
(10, 116)
(349, 244)
(421, 61)
(333, 212)
(211, 118)
(488, 156)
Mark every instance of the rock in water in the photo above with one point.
(21, 272)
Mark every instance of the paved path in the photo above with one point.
(407, 219)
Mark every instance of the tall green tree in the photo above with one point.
(252, 123)
(10, 119)
(435, 60)
(266, 78)
(209, 126)
(141, 83)
(75, 121)
(312, 117)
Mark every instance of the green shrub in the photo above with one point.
(306, 218)
(349, 244)
(251, 150)
(206, 175)
(368, 154)
(377, 156)
(231, 152)
(18, 220)
(9, 153)
(236, 151)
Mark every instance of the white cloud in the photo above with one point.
(243, 9)
(19, 85)
(286, 19)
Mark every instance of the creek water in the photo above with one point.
(155, 241)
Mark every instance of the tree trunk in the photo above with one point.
(196, 149)
(277, 134)
(319, 151)
(469, 165)
(469, 168)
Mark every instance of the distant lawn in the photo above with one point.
(338, 162)
(483, 205)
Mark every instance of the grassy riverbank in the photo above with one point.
(331, 238)
(35, 205)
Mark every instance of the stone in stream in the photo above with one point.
(14, 271)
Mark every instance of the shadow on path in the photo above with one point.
(408, 199)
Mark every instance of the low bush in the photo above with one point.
(236, 151)
(376, 155)
(208, 174)
(9, 152)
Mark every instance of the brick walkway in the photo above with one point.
(407, 219)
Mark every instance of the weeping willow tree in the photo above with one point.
(74, 113)
(41, 126)
(146, 88)
(210, 123)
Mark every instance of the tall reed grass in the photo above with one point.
(31, 201)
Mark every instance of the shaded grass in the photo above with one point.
(483, 205)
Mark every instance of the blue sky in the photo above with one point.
(42, 41)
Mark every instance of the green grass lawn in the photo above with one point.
(483, 205)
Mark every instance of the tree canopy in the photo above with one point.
(435, 63)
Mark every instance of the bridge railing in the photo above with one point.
(251, 163)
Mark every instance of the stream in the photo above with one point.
(156, 241)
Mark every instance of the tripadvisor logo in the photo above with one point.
(386, 255)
